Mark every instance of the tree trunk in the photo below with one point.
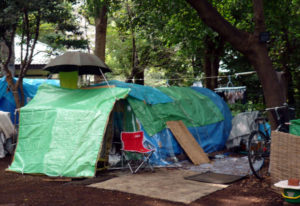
(215, 71)
(207, 67)
(4, 55)
(137, 73)
(273, 93)
(197, 63)
(247, 44)
(213, 51)
(286, 69)
(100, 38)
(218, 52)
(290, 90)
(8, 57)
(14, 89)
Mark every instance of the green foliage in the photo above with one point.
(153, 54)
(238, 13)
(158, 51)
(170, 39)
(92, 8)
(52, 18)
(64, 32)
(284, 45)
(58, 41)
(282, 22)
(250, 106)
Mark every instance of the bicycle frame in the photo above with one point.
(259, 141)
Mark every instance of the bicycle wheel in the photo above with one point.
(258, 151)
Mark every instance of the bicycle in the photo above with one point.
(259, 141)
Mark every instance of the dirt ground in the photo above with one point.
(17, 189)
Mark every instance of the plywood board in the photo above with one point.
(188, 142)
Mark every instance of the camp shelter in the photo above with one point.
(61, 130)
(65, 132)
(204, 112)
(30, 86)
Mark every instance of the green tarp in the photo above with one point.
(61, 131)
(193, 108)
(295, 127)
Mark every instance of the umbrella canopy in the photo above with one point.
(84, 63)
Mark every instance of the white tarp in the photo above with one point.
(7, 130)
(6, 125)
(242, 126)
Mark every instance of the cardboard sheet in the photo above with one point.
(163, 184)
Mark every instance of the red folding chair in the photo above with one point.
(133, 142)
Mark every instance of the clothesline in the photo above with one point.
(201, 78)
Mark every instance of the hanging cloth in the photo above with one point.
(231, 93)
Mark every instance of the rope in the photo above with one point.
(200, 78)
(108, 84)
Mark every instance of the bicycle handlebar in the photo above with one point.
(275, 108)
(278, 117)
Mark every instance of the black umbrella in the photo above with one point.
(84, 63)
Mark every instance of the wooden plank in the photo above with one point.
(188, 142)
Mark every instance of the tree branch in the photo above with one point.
(259, 18)
(8, 44)
(36, 36)
(211, 17)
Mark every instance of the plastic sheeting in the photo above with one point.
(30, 86)
(221, 104)
(6, 126)
(61, 131)
(211, 137)
(295, 127)
(242, 126)
(144, 93)
(193, 108)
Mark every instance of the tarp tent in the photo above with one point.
(52, 122)
(204, 112)
(30, 86)
(61, 131)
(206, 115)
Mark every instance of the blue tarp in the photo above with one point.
(144, 93)
(30, 86)
(211, 137)
(222, 105)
